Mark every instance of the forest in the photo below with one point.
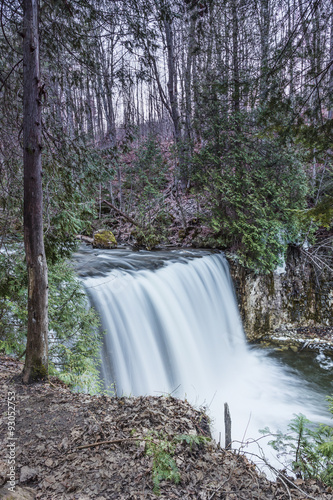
(163, 124)
(205, 124)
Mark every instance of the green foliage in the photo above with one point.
(310, 446)
(321, 214)
(71, 174)
(253, 183)
(191, 440)
(150, 166)
(147, 238)
(162, 449)
(73, 339)
(164, 465)
(13, 300)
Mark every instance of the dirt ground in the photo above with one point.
(52, 423)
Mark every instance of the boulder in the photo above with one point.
(104, 239)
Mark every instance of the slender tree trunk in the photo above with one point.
(330, 83)
(119, 187)
(89, 109)
(264, 42)
(36, 361)
(236, 95)
(291, 56)
(100, 125)
(172, 82)
(188, 81)
(227, 62)
(69, 106)
(311, 55)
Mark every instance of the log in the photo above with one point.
(87, 239)
(112, 441)
(122, 214)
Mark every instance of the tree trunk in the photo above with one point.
(188, 81)
(330, 83)
(36, 361)
(172, 90)
(172, 81)
(89, 110)
(236, 94)
(264, 42)
(291, 55)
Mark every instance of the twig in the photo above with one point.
(279, 475)
(219, 488)
(113, 441)
(285, 485)
(21, 355)
(315, 258)
(51, 383)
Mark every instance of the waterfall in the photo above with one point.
(173, 327)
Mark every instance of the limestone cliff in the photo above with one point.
(295, 303)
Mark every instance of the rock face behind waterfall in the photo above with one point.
(293, 307)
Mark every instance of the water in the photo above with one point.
(173, 327)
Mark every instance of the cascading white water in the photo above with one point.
(177, 329)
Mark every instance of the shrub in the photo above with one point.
(307, 447)
(73, 339)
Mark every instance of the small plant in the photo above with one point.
(191, 439)
(164, 465)
(309, 446)
(162, 449)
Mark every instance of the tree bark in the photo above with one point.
(172, 79)
(188, 81)
(264, 42)
(36, 360)
(235, 68)
(330, 84)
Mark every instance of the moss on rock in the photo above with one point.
(104, 239)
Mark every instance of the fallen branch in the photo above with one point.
(113, 441)
(21, 355)
(87, 239)
(122, 214)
